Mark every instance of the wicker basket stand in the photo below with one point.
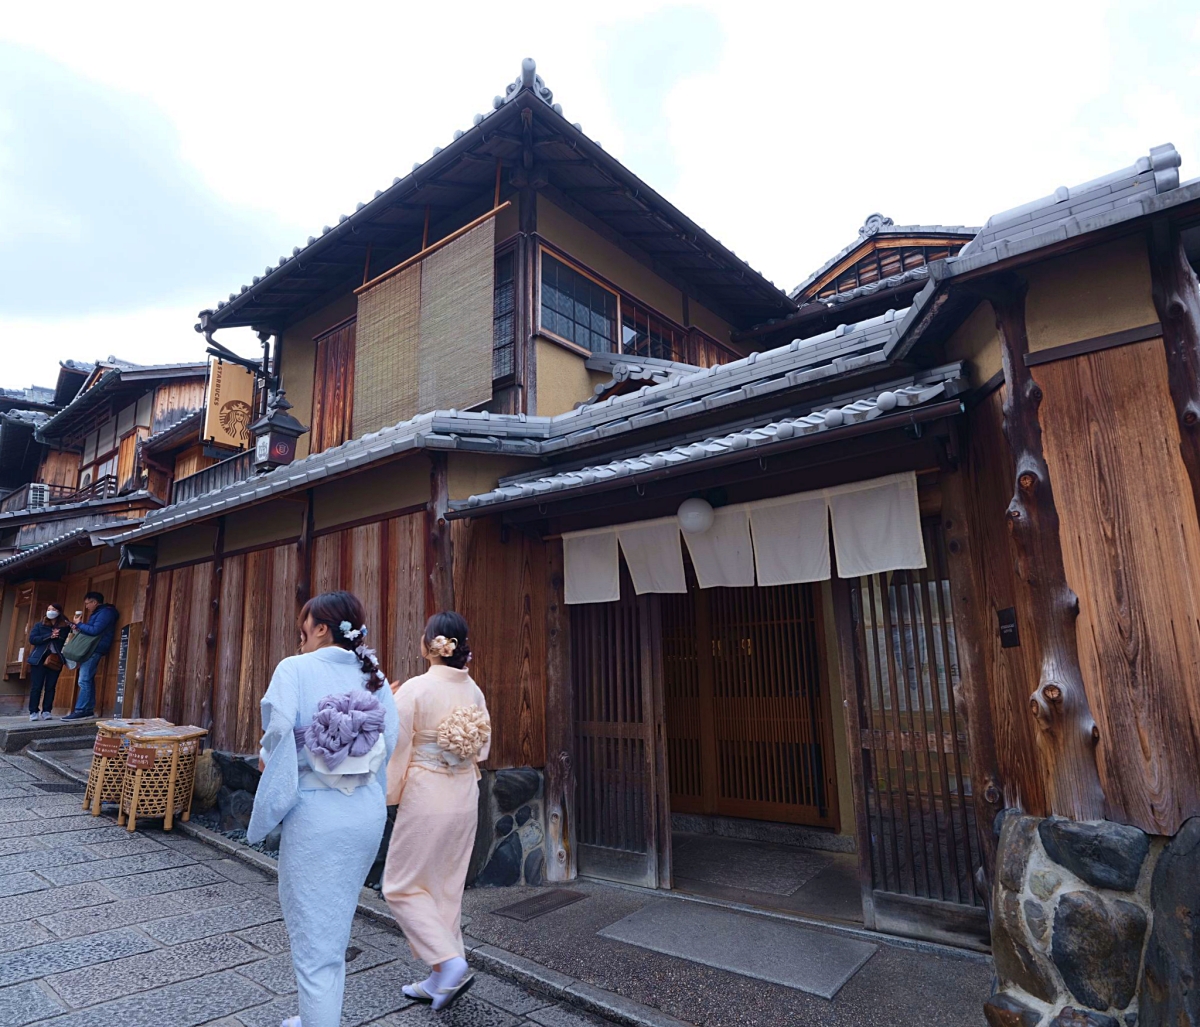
(160, 771)
(107, 773)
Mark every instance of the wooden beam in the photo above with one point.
(139, 675)
(304, 556)
(526, 348)
(1067, 734)
(424, 231)
(439, 550)
(561, 852)
(972, 696)
(1177, 299)
(210, 638)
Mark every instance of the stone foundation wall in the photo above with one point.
(510, 842)
(1093, 925)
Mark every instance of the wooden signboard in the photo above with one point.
(228, 405)
(107, 746)
(122, 668)
(141, 757)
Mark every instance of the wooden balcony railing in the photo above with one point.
(35, 496)
(221, 475)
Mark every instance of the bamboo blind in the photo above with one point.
(425, 335)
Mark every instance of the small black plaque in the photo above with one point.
(1009, 638)
(539, 905)
(58, 786)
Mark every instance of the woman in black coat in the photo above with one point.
(46, 639)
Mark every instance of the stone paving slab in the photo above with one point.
(188, 1004)
(26, 1003)
(34, 857)
(53, 900)
(52, 957)
(205, 922)
(21, 884)
(108, 869)
(155, 882)
(20, 936)
(270, 937)
(90, 985)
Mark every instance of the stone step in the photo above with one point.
(18, 732)
(76, 741)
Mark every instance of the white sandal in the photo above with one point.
(417, 991)
(446, 997)
(292, 1021)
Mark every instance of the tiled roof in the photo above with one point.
(42, 512)
(877, 224)
(758, 438)
(50, 546)
(625, 369)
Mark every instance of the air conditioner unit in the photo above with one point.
(39, 496)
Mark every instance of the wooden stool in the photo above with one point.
(107, 773)
(160, 770)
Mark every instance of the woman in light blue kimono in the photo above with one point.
(326, 742)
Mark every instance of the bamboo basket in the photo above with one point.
(107, 772)
(160, 771)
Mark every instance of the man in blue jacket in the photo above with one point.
(102, 621)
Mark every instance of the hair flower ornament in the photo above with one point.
(443, 646)
(351, 633)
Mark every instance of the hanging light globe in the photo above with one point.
(695, 516)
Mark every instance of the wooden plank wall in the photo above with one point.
(333, 388)
(1012, 673)
(176, 634)
(1131, 548)
(383, 563)
(59, 468)
(174, 400)
(500, 588)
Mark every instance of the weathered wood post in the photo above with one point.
(1067, 734)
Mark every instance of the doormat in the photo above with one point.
(817, 962)
(58, 786)
(539, 905)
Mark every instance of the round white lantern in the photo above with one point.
(695, 516)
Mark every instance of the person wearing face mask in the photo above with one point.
(46, 640)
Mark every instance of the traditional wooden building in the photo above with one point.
(90, 475)
(738, 562)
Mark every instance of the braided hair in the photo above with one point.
(343, 614)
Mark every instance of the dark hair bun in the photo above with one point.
(449, 624)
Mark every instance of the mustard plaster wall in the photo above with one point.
(562, 378)
(978, 343)
(191, 542)
(470, 474)
(262, 525)
(1094, 292)
(394, 486)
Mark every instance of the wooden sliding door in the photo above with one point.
(747, 715)
(616, 659)
(908, 739)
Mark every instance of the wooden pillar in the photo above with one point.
(1067, 734)
(561, 857)
(210, 638)
(1177, 299)
(971, 698)
(139, 675)
(527, 300)
(439, 548)
(304, 556)
(845, 607)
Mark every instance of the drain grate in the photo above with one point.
(58, 786)
(540, 905)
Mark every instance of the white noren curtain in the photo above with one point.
(723, 555)
(877, 526)
(591, 570)
(653, 555)
(791, 538)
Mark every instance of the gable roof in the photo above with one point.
(568, 167)
(874, 229)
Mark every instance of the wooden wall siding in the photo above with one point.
(59, 468)
(383, 563)
(333, 389)
(172, 402)
(1131, 547)
(500, 588)
(1012, 674)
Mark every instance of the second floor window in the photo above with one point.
(504, 319)
(577, 308)
(333, 388)
(644, 334)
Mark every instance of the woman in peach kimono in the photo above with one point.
(433, 777)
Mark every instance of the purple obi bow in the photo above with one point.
(348, 724)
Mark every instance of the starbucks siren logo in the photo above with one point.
(235, 419)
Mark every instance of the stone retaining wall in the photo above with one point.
(1093, 925)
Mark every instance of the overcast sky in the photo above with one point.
(153, 158)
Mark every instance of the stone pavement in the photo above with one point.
(99, 927)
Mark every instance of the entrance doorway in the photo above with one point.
(748, 732)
